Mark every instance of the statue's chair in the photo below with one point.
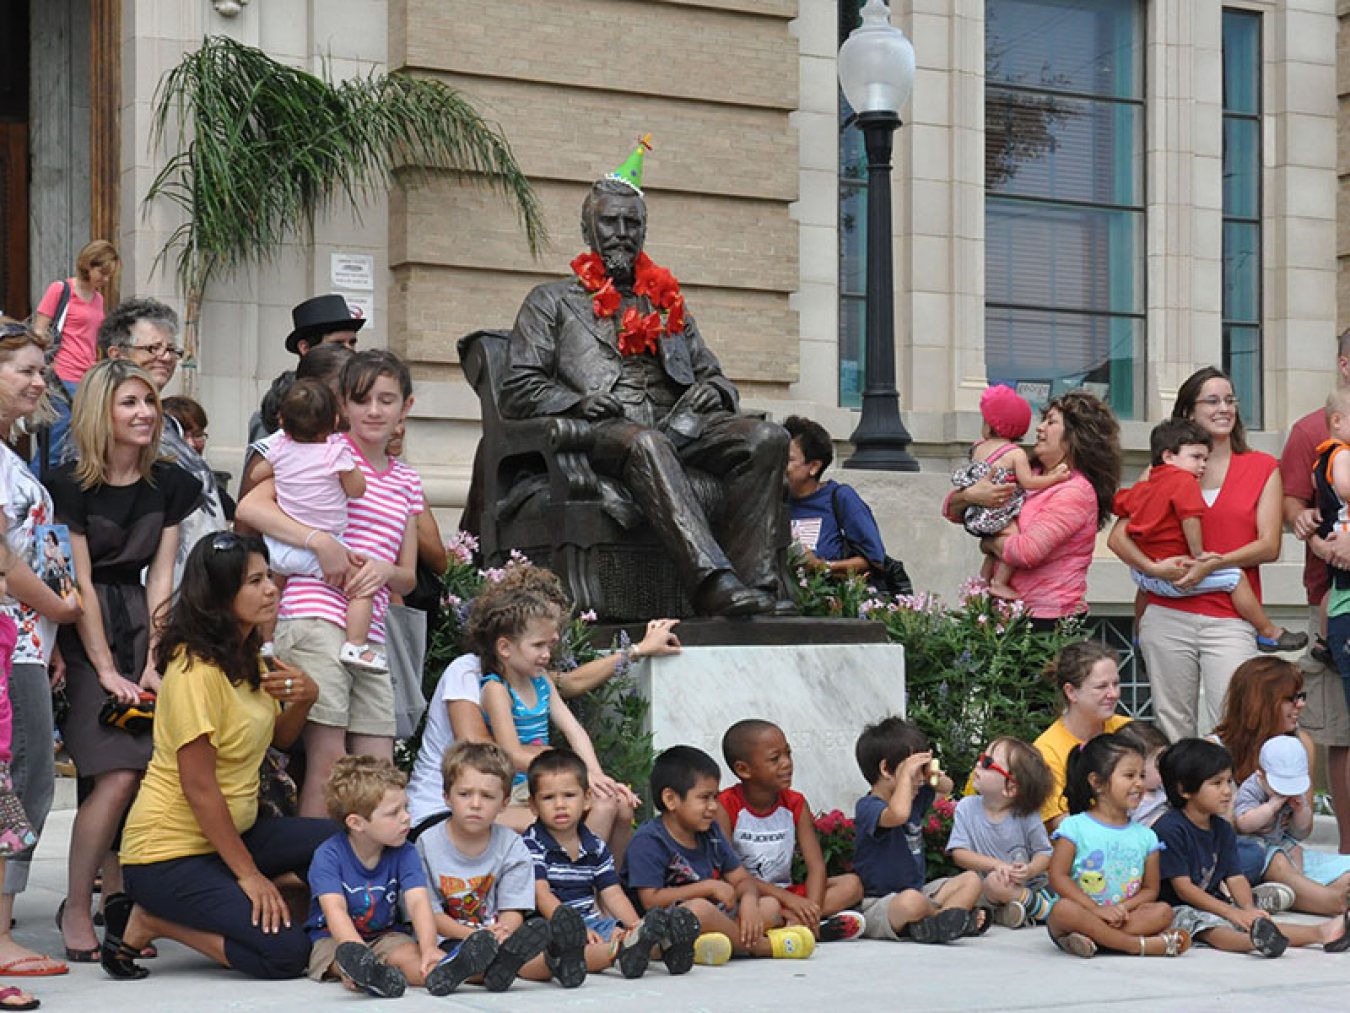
(534, 490)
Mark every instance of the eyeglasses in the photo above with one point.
(1299, 697)
(1213, 401)
(987, 762)
(159, 350)
(224, 541)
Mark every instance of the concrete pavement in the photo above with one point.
(1002, 970)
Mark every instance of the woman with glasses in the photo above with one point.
(123, 506)
(1200, 640)
(200, 863)
(1085, 675)
(26, 512)
(1265, 698)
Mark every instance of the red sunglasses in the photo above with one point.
(987, 762)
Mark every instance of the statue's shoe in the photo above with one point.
(723, 595)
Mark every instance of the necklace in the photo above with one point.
(638, 332)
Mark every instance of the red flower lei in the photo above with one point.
(638, 332)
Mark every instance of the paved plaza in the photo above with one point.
(1003, 970)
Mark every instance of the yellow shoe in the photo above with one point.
(712, 949)
(793, 942)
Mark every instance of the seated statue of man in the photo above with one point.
(614, 345)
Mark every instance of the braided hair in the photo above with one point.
(504, 610)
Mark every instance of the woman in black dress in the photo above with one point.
(123, 507)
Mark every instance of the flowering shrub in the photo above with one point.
(835, 833)
(935, 834)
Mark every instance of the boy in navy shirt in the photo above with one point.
(897, 761)
(680, 860)
(357, 879)
(1199, 861)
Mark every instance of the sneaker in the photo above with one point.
(1286, 641)
(677, 946)
(712, 949)
(566, 956)
(1012, 915)
(635, 952)
(527, 942)
(793, 942)
(842, 926)
(1273, 897)
(364, 658)
(473, 956)
(359, 963)
(943, 927)
(1267, 939)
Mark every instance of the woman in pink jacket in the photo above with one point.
(1058, 526)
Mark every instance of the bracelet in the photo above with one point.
(310, 537)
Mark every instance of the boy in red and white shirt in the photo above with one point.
(767, 823)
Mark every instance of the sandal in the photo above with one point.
(119, 959)
(1286, 641)
(1074, 943)
(74, 955)
(363, 658)
(1342, 942)
(1175, 943)
(978, 922)
(9, 993)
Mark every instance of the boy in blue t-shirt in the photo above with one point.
(357, 878)
(681, 861)
(888, 822)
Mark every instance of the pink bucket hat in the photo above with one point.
(1007, 412)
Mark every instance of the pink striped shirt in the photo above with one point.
(376, 524)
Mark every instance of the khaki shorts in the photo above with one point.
(322, 952)
(360, 702)
(876, 911)
(1325, 717)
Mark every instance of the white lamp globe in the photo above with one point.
(876, 63)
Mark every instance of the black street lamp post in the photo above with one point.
(876, 71)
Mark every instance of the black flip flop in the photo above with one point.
(1343, 943)
(473, 957)
(528, 941)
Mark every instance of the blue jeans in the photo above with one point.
(1338, 640)
(57, 432)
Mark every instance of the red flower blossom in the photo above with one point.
(675, 323)
(656, 283)
(639, 333)
(590, 270)
(606, 300)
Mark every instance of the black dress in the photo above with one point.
(122, 525)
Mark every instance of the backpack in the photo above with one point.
(890, 577)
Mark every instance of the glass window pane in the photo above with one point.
(1241, 168)
(1242, 361)
(1051, 146)
(1241, 61)
(852, 240)
(852, 343)
(1090, 46)
(1043, 354)
(1241, 272)
(1071, 257)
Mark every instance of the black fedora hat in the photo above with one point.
(321, 315)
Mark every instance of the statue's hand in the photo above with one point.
(599, 406)
(702, 398)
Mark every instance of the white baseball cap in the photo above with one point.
(1284, 761)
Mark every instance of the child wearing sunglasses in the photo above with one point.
(997, 832)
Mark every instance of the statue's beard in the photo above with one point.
(619, 265)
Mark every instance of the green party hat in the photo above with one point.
(631, 170)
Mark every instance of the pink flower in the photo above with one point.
(588, 616)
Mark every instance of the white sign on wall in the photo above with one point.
(362, 304)
(353, 270)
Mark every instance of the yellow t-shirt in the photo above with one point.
(196, 700)
(1055, 744)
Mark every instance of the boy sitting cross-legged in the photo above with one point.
(573, 868)
(681, 858)
(482, 881)
(766, 821)
(888, 822)
(357, 878)
(1200, 857)
(997, 832)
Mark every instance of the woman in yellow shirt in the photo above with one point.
(199, 863)
(1086, 676)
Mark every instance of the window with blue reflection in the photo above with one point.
(852, 237)
(1064, 198)
(1242, 333)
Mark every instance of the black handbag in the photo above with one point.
(890, 577)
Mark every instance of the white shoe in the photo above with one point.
(364, 658)
(1273, 897)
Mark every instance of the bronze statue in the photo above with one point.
(614, 345)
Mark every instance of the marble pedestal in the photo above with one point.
(821, 695)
